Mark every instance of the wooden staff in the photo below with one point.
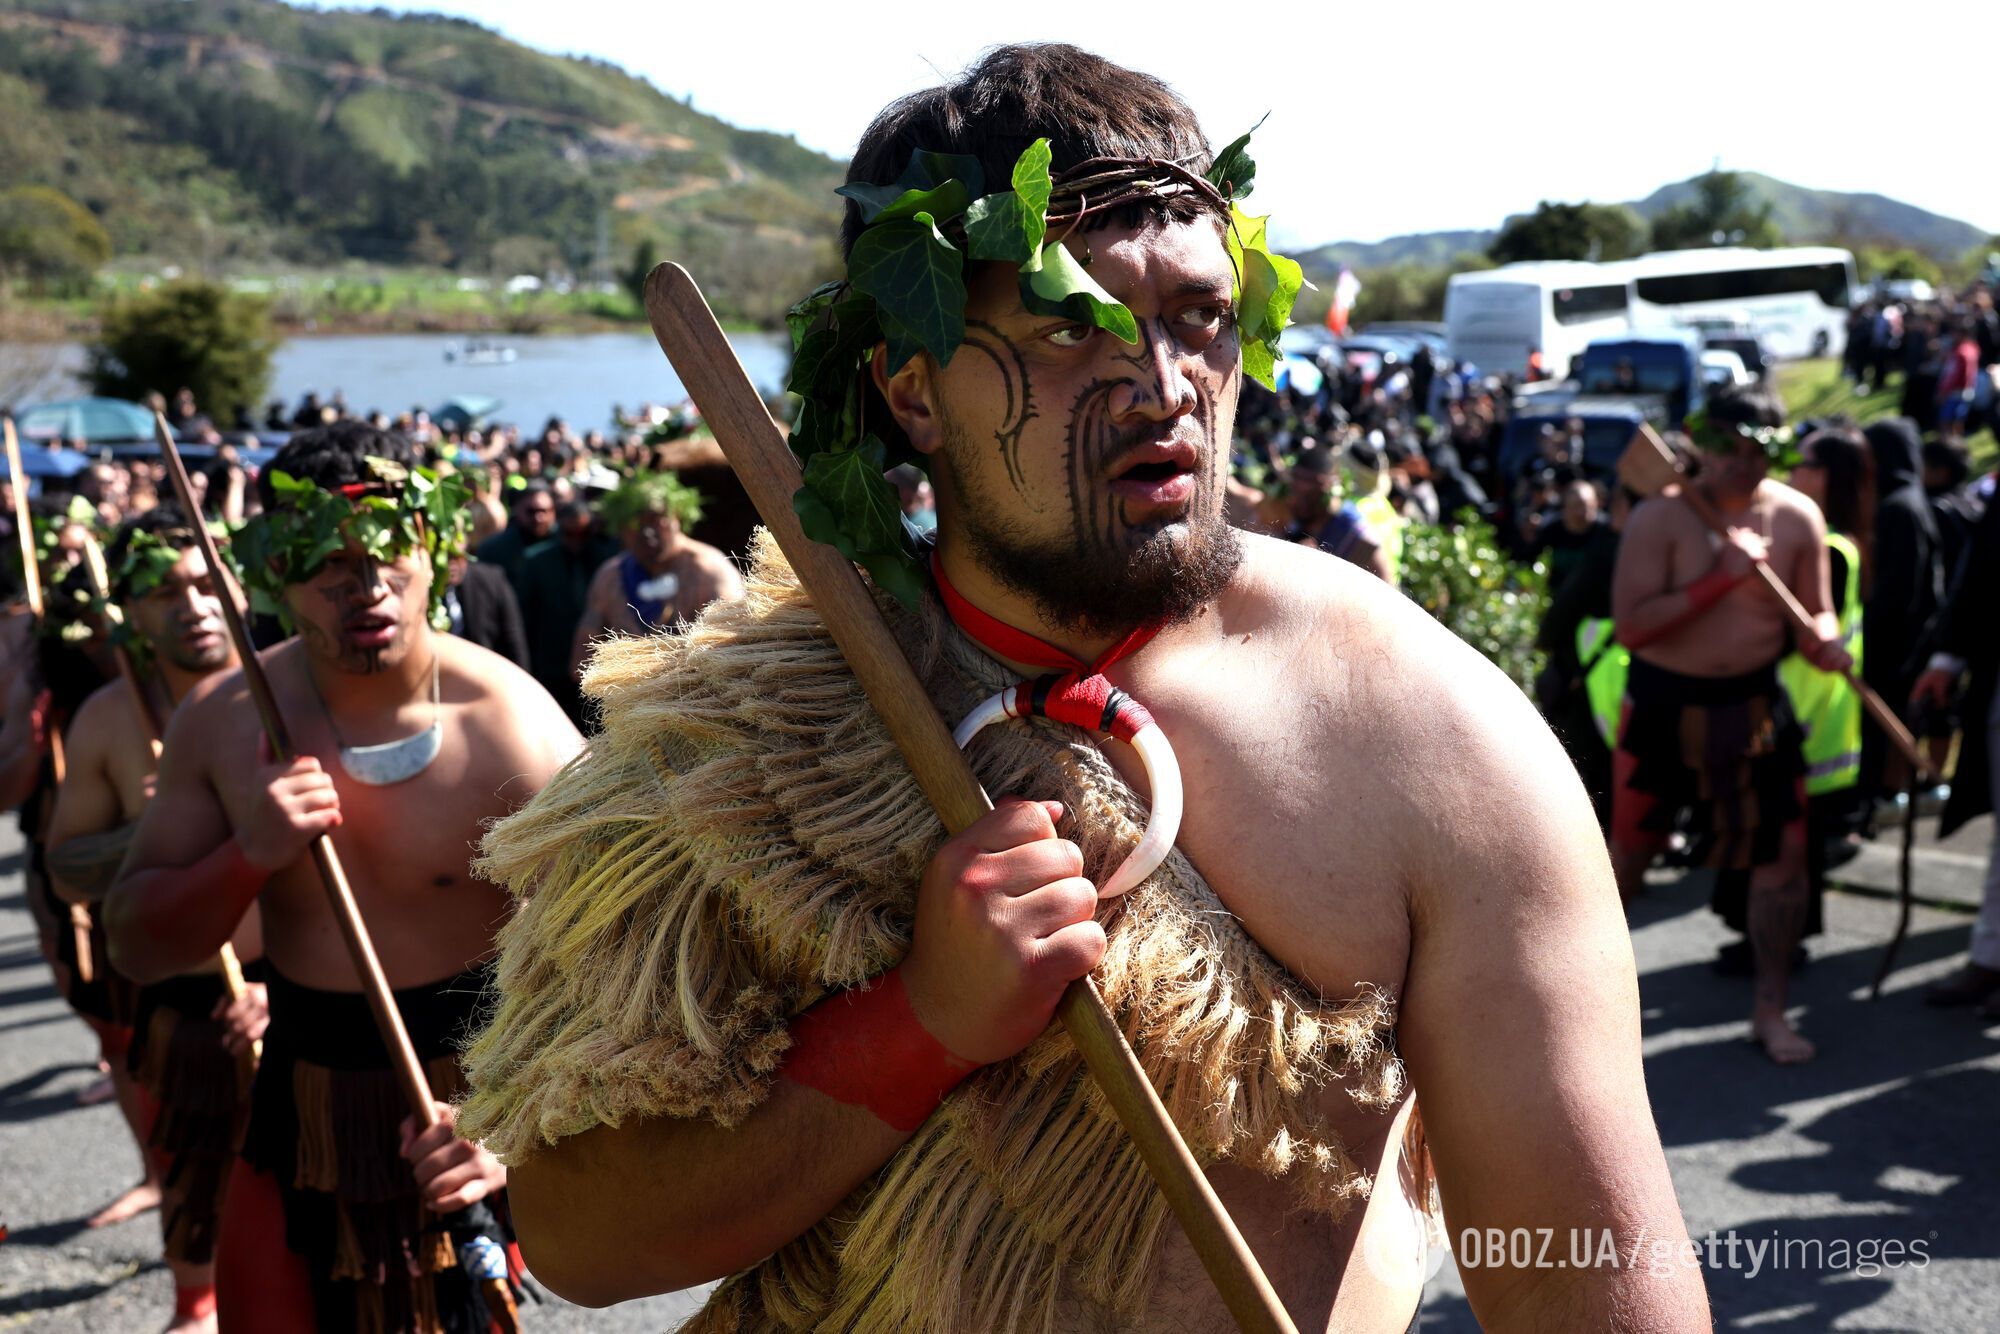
(346, 913)
(31, 583)
(1649, 465)
(226, 961)
(701, 355)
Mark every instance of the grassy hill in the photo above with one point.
(246, 133)
(1804, 215)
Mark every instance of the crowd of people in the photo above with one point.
(1905, 572)
(1656, 632)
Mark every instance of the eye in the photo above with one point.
(1071, 335)
(1214, 315)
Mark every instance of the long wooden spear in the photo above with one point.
(340, 895)
(149, 724)
(31, 583)
(707, 365)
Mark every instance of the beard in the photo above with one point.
(1165, 570)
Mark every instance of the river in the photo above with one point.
(576, 377)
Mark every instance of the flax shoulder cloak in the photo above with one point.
(742, 839)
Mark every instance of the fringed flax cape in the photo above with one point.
(742, 839)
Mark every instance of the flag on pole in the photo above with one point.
(1345, 289)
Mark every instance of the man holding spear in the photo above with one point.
(191, 1048)
(1708, 726)
(761, 1017)
(408, 741)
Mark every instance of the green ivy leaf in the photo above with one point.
(1011, 226)
(928, 170)
(1234, 171)
(1053, 283)
(887, 203)
(801, 317)
(917, 280)
(851, 484)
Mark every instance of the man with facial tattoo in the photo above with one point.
(760, 1018)
(191, 1047)
(408, 742)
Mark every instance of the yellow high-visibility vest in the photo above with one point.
(1606, 664)
(1387, 525)
(1827, 705)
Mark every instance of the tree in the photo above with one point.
(1570, 231)
(645, 256)
(1725, 210)
(192, 335)
(49, 239)
(1892, 264)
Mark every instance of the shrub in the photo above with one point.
(192, 334)
(1461, 576)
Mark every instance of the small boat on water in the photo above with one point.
(480, 352)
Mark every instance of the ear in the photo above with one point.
(911, 395)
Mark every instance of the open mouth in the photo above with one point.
(1160, 473)
(371, 631)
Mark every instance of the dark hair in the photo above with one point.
(1950, 457)
(330, 456)
(1746, 405)
(1083, 104)
(1319, 461)
(572, 509)
(1843, 454)
(164, 522)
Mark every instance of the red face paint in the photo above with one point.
(865, 1047)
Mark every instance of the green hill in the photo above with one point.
(245, 133)
(1805, 216)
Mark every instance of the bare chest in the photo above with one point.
(406, 850)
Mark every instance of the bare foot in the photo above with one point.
(1781, 1042)
(136, 1201)
(103, 1090)
(194, 1324)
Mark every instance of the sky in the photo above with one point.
(1384, 119)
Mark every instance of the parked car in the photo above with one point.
(1608, 427)
(1722, 369)
(1666, 364)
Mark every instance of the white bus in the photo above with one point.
(1795, 300)
(1496, 318)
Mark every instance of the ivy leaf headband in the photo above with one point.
(1778, 443)
(390, 515)
(905, 287)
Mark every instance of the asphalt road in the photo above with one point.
(1888, 1137)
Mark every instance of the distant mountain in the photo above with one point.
(1805, 216)
(206, 131)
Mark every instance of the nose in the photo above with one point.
(1161, 389)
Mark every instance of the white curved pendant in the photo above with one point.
(393, 761)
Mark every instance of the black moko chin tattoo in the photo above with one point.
(1014, 378)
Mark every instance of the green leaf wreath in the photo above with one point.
(408, 508)
(643, 493)
(905, 288)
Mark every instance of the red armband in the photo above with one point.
(866, 1048)
(1708, 590)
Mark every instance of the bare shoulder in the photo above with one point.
(1790, 504)
(1657, 517)
(1453, 751)
(105, 713)
(510, 709)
